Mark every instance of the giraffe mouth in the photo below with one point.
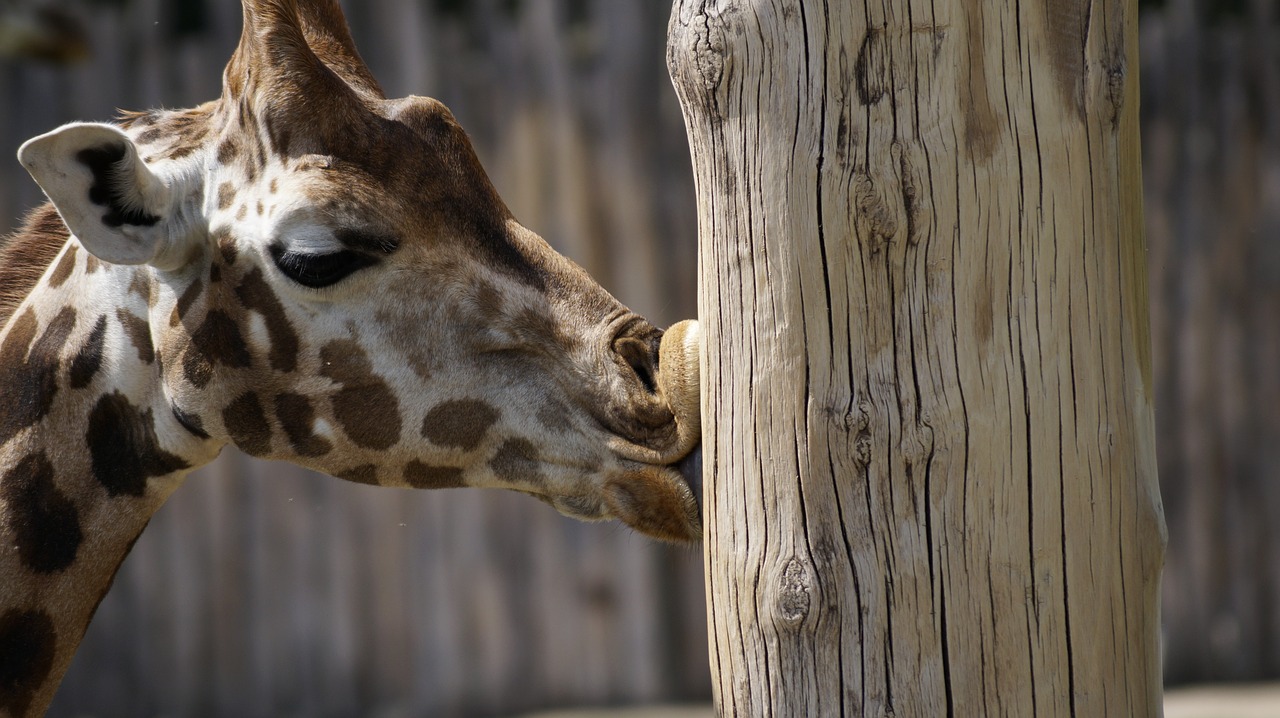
(690, 468)
(678, 386)
(662, 502)
(664, 499)
(657, 491)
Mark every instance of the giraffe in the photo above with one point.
(311, 272)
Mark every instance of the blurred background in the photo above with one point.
(263, 590)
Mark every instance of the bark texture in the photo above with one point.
(927, 382)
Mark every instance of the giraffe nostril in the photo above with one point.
(641, 357)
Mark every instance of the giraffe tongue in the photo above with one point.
(679, 383)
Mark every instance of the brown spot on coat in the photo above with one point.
(516, 462)
(228, 150)
(279, 134)
(226, 245)
(65, 267)
(43, 522)
(555, 416)
(23, 331)
(363, 474)
(226, 195)
(188, 297)
(123, 446)
(89, 358)
(297, 418)
(539, 328)
(488, 300)
(139, 333)
(179, 151)
(148, 136)
(424, 476)
(140, 285)
(247, 425)
(256, 294)
(365, 406)
(91, 264)
(28, 642)
(460, 423)
(29, 379)
(216, 341)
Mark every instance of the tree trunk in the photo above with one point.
(927, 384)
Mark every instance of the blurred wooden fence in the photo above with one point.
(261, 590)
(1211, 164)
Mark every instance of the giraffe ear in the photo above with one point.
(108, 197)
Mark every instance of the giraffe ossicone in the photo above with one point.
(311, 272)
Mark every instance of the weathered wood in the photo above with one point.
(928, 389)
(263, 590)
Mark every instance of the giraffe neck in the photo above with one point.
(89, 450)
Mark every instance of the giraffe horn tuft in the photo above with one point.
(328, 35)
(276, 51)
(297, 67)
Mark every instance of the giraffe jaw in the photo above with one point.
(657, 501)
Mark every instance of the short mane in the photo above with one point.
(26, 254)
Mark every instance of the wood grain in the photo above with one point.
(927, 377)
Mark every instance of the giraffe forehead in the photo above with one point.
(306, 210)
(405, 173)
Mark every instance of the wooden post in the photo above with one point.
(931, 484)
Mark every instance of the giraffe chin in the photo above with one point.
(657, 502)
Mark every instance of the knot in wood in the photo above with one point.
(839, 413)
(793, 598)
(708, 51)
(1115, 89)
(874, 216)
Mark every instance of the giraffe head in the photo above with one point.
(331, 279)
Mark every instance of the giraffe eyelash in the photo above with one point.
(319, 270)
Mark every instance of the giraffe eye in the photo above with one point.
(319, 270)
